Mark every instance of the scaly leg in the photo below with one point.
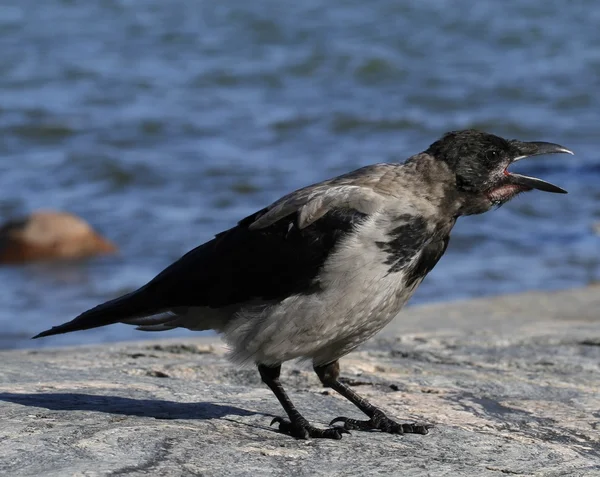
(297, 426)
(329, 374)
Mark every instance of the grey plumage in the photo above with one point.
(321, 270)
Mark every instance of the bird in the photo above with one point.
(324, 268)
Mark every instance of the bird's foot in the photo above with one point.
(302, 429)
(381, 422)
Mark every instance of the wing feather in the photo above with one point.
(313, 204)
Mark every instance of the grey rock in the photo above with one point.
(511, 383)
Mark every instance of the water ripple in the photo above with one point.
(163, 123)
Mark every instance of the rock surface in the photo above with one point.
(512, 385)
(50, 235)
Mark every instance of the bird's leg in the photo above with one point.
(297, 426)
(329, 374)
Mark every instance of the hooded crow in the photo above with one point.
(323, 269)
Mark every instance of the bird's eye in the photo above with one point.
(491, 155)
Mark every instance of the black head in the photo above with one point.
(480, 161)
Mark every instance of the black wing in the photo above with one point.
(243, 264)
(269, 255)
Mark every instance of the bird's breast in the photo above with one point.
(363, 284)
(371, 270)
(382, 262)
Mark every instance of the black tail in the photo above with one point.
(113, 311)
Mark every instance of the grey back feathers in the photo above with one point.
(313, 202)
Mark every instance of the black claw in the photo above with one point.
(276, 419)
(344, 431)
(338, 419)
(304, 430)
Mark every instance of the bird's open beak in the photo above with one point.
(529, 149)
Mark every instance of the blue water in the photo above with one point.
(164, 122)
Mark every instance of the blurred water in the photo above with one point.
(163, 123)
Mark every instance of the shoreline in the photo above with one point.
(510, 383)
(572, 303)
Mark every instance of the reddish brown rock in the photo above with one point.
(50, 235)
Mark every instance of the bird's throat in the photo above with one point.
(505, 192)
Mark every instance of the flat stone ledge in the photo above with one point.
(512, 385)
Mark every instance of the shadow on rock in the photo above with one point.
(155, 408)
